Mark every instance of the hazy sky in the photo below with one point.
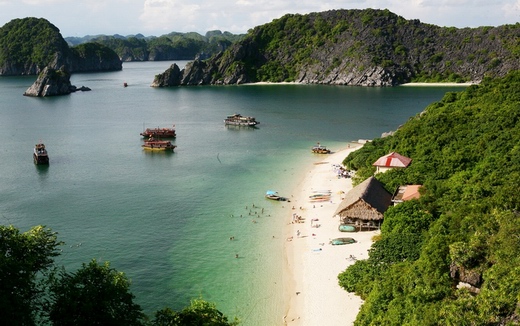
(158, 17)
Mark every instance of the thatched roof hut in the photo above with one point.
(365, 204)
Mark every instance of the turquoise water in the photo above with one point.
(166, 219)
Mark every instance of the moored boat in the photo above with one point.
(239, 120)
(273, 195)
(346, 228)
(153, 144)
(342, 241)
(159, 132)
(318, 197)
(320, 149)
(40, 155)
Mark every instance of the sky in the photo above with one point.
(158, 17)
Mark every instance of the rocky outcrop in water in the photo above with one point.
(171, 77)
(52, 82)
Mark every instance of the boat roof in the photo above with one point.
(271, 192)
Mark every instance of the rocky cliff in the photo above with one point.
(52, 82)
(358, 47)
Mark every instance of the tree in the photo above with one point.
(23, 258)
(94, 295)
(198, 313)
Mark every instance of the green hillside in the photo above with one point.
(362, 48)
(30, 44)
(466, 225)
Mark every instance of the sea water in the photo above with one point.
(166, 219)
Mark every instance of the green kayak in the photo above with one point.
(342, 241)
(347, 228)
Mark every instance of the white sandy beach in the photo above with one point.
(440, 84)
(313, 264)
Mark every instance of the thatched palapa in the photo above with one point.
(364, 205)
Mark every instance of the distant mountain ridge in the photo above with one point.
(172, 46)
(356, 47)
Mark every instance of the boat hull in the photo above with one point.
(347, 228)
(40, 154)
(159, 148)
(342, 241)
(40, 160)
(158, 145)
(239, 120)
(244, 124)
(156, 149)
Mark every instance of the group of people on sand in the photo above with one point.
(341, 172)
(297, 219)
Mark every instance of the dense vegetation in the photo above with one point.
(172, 46)
(29, 45)
(366, 47)
(466, 225)
(35, 291)
(358, 39)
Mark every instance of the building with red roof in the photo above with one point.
(391, 161)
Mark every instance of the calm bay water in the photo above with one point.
(165, 219)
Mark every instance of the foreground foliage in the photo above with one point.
(35, 291)
(466, 225)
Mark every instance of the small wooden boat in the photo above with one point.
(40, 155)
(342, 241)
(159, 132)
(239, 120)
(347, 228)
(273, 195)
(319, 149)
(320, 196)
(153, 144)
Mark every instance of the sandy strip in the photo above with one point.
(440, 84)
(313, 264)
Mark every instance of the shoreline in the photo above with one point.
(312, 264)
(425, 84)
(440, 84)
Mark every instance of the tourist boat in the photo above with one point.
(346, 228)
(153, 144)
(342, 241)
(159, 132)
(239, 120)
(319, 149)
(273, 195)
(40, 154)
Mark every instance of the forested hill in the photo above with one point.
(451, 257)
(29, 45)
(360, 47)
